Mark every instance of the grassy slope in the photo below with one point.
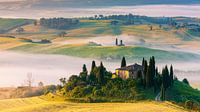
(181, 92)
(37, 104)
(8, 24)
(102, 52)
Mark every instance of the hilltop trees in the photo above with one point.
(98, 82)
(58, 23)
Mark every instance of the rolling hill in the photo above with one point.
(53, 104)
(9, 24)
(92, 3)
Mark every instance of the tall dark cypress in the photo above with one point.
(123, 63)
(162, 93)
(145, 72)
(116, 42)
(171, 75)
(84, 73)
(93, 66)
(84, 68)
(148, 77)
(168, 77)
(92, 77)
(101, 74)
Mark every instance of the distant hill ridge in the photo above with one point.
(86, 3)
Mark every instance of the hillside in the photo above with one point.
(92, 3)
(39, 104)
(9, 24)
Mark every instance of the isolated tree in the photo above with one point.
(29, 80)
(116, 42)
(150, 27)
(40, 84)
(123, 63)
(63, 81)
(121, 43)
(35, 22)
(20, 30)
(62, 34)
(186, 81)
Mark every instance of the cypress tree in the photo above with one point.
(116, 42)
(92, 73)
(84, 68)
(152, 71)
(148, 77)
(156, 85)
(100, 74)
(171, 75)
(162, 93)
(123, 63)
(165, 77)
(84, 73)
(93, 66)
(145, 72)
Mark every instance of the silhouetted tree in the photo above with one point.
(145, 70)
(116, 42)
(83, 74)
(100, 74)
(171, 75)
(186, 81)
(123, 63)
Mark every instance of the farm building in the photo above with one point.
(131, 71)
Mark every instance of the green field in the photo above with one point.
(105, 53)
(43, 104)
(9, 24)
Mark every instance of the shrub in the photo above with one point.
(189, 104)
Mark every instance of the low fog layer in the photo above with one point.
(27, 11)
(14, 68)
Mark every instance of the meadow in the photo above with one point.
(51, 103)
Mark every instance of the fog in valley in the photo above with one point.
(14, 68)
(17, 11)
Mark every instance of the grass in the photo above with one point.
(8, 24)
(46, 104)
(106, 53)
(181, 92)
